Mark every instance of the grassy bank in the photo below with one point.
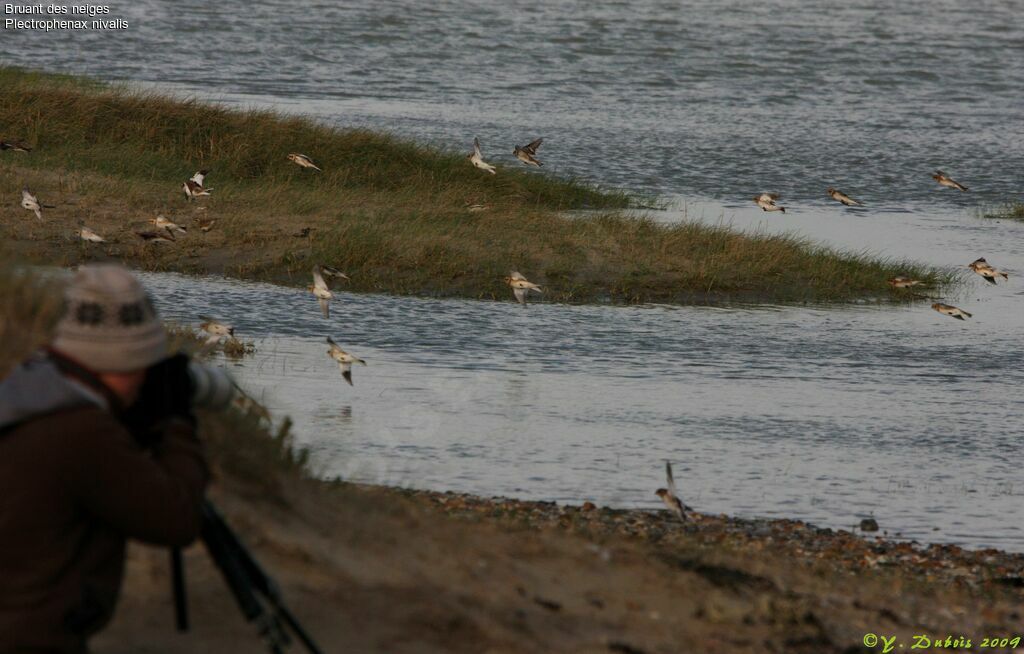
(390, 213)
(1012, 211)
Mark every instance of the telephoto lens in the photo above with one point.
(212, 388)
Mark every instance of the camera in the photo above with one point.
(212, 388)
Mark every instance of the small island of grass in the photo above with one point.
(392, 214)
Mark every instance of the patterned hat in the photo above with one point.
(109, 323)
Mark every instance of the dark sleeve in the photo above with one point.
(155, 497)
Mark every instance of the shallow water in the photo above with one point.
(825, 414)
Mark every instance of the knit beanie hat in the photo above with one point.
(109, 323)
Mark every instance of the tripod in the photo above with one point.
(257, 595)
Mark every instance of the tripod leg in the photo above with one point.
(178, 586)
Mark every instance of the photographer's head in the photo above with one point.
(110, 327)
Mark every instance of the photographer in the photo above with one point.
(97, 445)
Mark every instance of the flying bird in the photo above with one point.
(303, 161)
(164, 223)
(16, 145)
(216, 329)
(950, 310)
(477, 158)
(521, 286)
(983, 268)
(87, 234)
(321, 290)
(527, 153)
(904, 282)
(767, 202)
(344, 359)
(946, 180)
(670, 496)
(476, 207)
(839, 196)
(30, 202)
(193, 186)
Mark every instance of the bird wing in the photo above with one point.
(476, 148)
(198, 178)
(346, 372)
(318, 278)
(515, 274)
(671, 480)
(520, 294)
(334, 346)
(26, 196)
(325, 307)
(532, 146)
(333, 272)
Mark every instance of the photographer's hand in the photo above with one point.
(166, 394)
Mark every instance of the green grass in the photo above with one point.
(391, 213)
(1010, 211)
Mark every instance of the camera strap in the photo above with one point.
(87, 377)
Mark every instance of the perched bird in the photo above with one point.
(527, 153)
(193, 186)
(521, 286)
(164, 223)
(670, 496)
(158, 236)
(950, 310)
(216, 329)
(320, 289)
(344, 359)
(30, 202)
(946, 180)
(983, 268)
(904, 282)
(475, 207)
(477, 158)
(767, 202)
(839, 196)
(87, 234)
(204, 224)
(303, 161)
(16, 145)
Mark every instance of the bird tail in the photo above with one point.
(966, 314)
(361, 361)
(48, 206)
(782, 209)
(1005, 275)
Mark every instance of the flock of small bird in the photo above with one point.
(194, 188)
(768, 202)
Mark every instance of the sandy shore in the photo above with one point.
(384, 570)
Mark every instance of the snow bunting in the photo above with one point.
(527, 153)
(87, 234)
(164, 223)
(30, 202)
(670, 496)
(319, 288)
(303, 161)
(521, 286)
(839, 196)
(204, 224)
(158, 236)
(767, 202)
(950, 310)
(983, 268)
(946, 180)
(16, 145)
(193, 186)
(475, 207)
(904, 282)
(216, 330)
(344, 359)
(477, 158)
